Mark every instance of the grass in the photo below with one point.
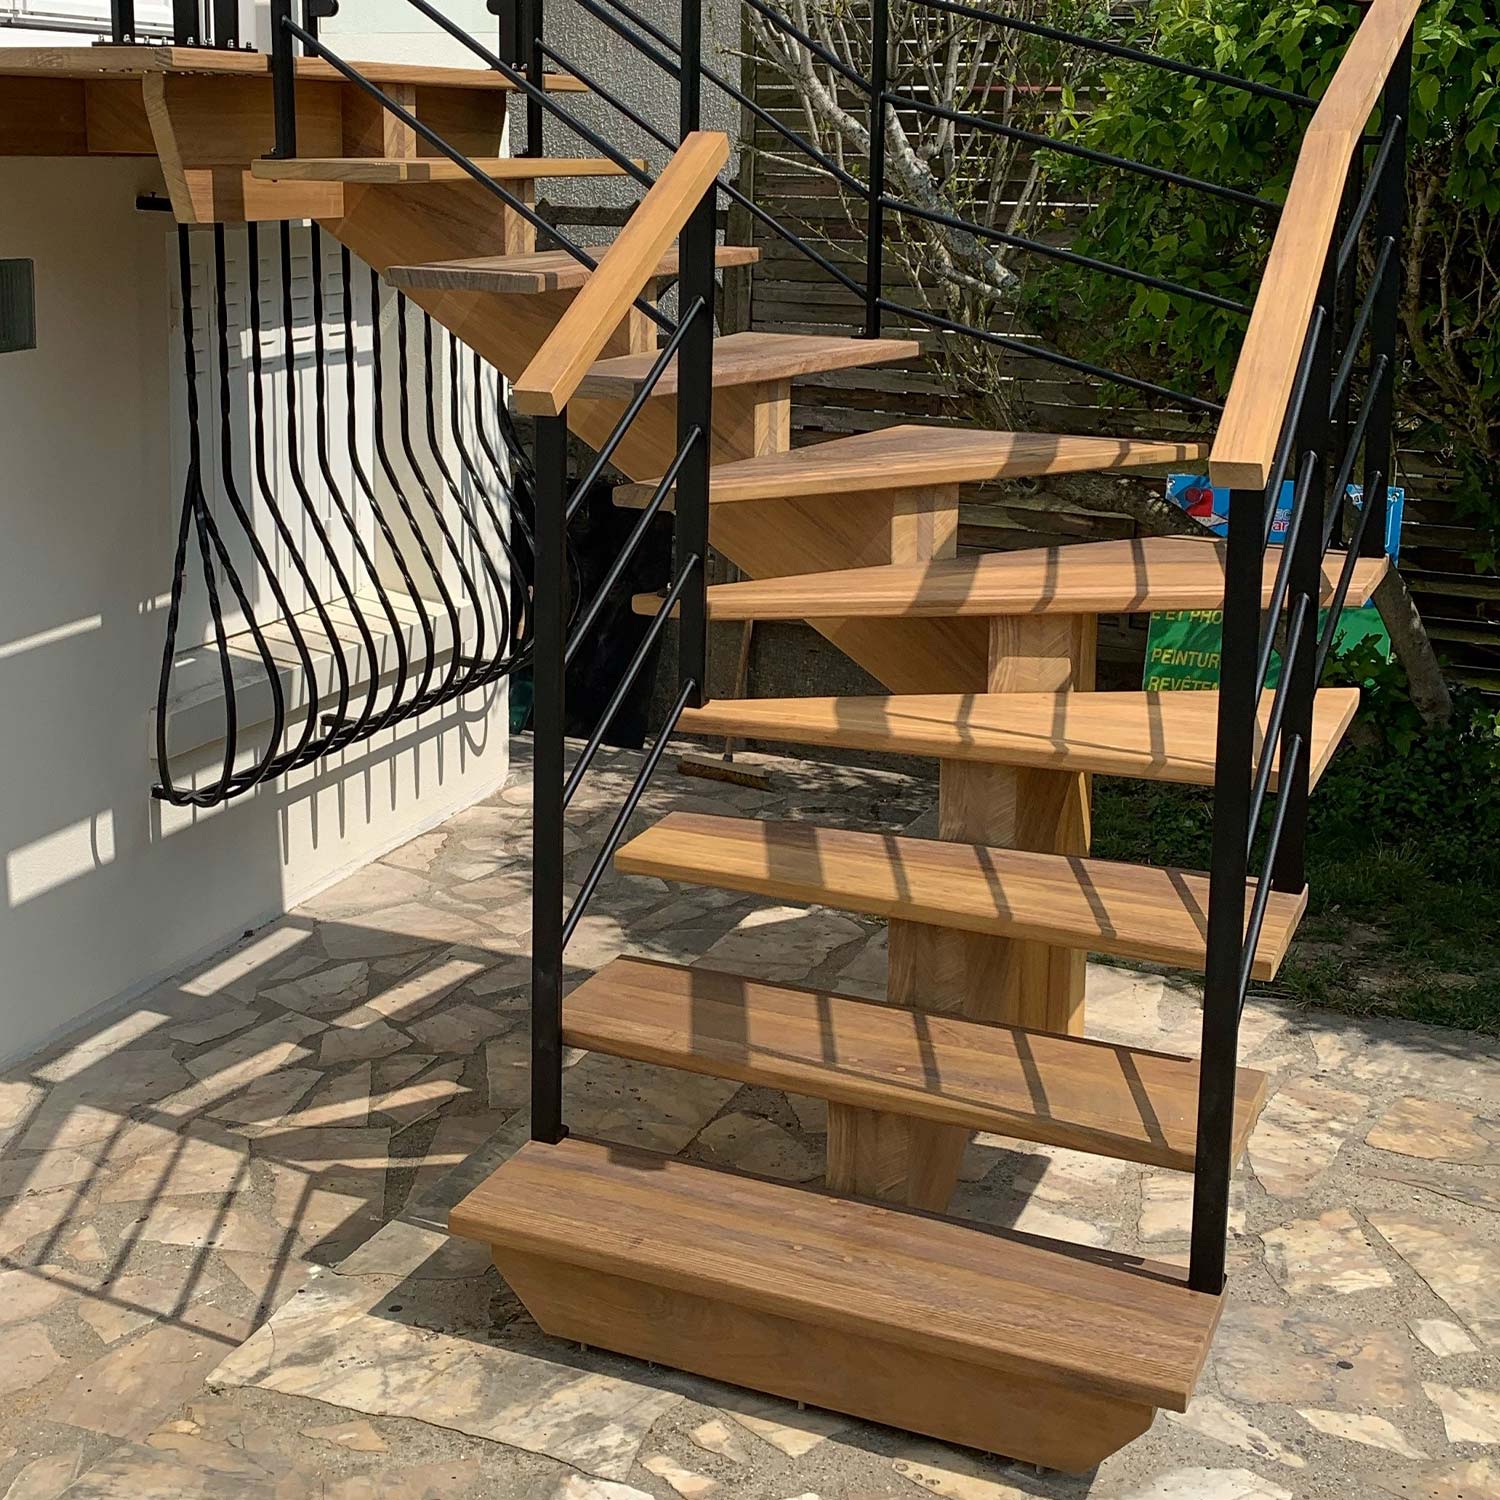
(1400, 923)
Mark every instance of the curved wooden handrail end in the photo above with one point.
(1261, 391)
(556, 369)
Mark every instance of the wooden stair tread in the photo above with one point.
(1157, 736)
(911, 455)
(1101, 1322)
(541, 271)
(1061, 1090)
(750, 359)
(399, 169)
(1130, 911)
(1118, 577)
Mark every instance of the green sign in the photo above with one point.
(1183, 649)
(1184, 646)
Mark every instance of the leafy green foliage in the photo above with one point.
(1450, 388)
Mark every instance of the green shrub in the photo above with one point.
(1450, 387)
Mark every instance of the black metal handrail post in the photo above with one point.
(875, 209)
(1390, 223)
(533, 21)
(550, 608)
(122, 22)
(1229, 870)
(694, 426)
(283, 82)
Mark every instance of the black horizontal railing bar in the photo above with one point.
(1071, 257)
(1351, 451)
(1366, 200)
(1361, 323)
(818, 50)
(1084, 153)
(1269, 741)
(1296, 749)
(1050, 356)
(632, 544)
(1284, 567)
(517, 77)
(457, 157)
(627, 811)
(642, 654)
(1124, 52)
(633, 410)
(1346, 574)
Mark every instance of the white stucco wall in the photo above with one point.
(104, 890)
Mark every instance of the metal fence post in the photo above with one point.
(1239, 694)
(122, 22)
(1385, 320)
(694, 426)
(1315, 433)
(533, 21)
(690, 81)
(880, 44)
(550, 606)
(283, 82)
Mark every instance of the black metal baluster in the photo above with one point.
(550, 605)
(1239, 693)
(122, 22)
(875, 209)
(1385, 321)
(690, 71)
(283, 82)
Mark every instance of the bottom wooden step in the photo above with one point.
(1050, 1353)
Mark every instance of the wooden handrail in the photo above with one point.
(581, 333)
(1260, 394)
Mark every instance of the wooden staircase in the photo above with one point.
(863, 1296)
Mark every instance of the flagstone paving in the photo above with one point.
(223, 1271)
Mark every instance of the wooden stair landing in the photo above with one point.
(1061, 1090)
(750, 359)
(910, 456)
(1155, 736)
(541, 271)
(1130, 911)
(1121, 577)
(409, 169)
(1048, 1352)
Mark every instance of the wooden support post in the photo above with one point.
(983, 978)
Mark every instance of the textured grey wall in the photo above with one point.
(639, 82)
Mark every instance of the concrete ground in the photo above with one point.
(223, 1274)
